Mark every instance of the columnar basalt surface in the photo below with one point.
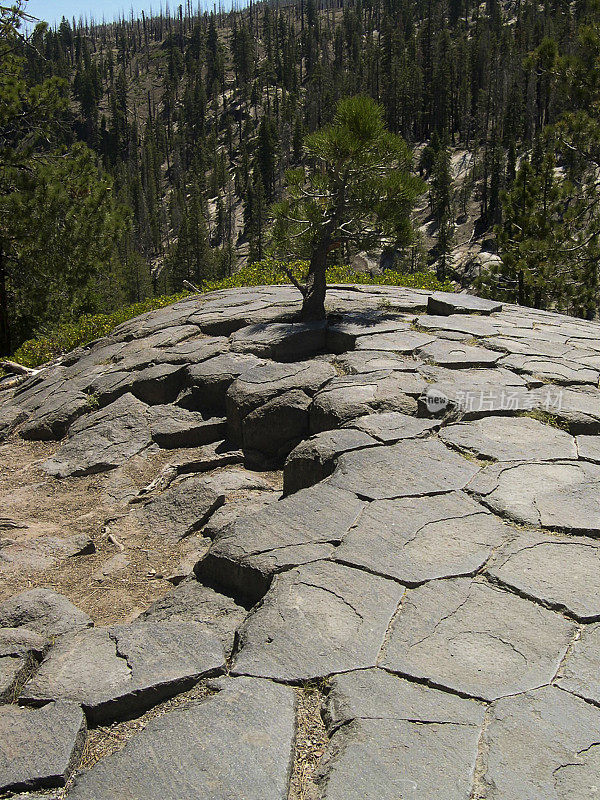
(218, 511)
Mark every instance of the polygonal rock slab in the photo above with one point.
(277, 426)
(103, 440)
(407, 469)
(314, 459)
(359, 362)
(39, 748)
(552, 369)
(580, 673)
(510, 439)
(444, 303)
(475, 393)
(588, 448)
(345, 334)
(418, 539)
(10, 418)
(43, 611)
(392, 426)
(345, 398)
(399, 341)
(580, 409)
(181, 509)
(281, 341)
(475, 639)
(42, 552)
(376, 694)
(259, 385)
(456, 355)
(235, 744)
(562, 572)
(317, 619)
(123, 670)
(459, 324)
(207, 383)
(193, 602)
(12, 669)
(397, 740)
(563, 494)
(541, 745)
(172, 426)
(298, 529)
(52, 419)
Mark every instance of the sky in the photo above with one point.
(52, 11)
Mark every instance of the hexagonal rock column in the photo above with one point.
(417, 539)
(235, 744)
(475, 639)
(123, 670)
(540, 745)
(394, 739)
(317, 619)
(408, 469)
(39, 748)
(561, 494)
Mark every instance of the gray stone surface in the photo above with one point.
(542, 745)
(579, 409)
(281, 341)
(123, 670)
(475, 639)
(410, 468)
(450, 303)
(510, 439)
(181, 509)
(552, 369)
(53, 418)
(207, 382)
(580, 672)
(399, 341)
(12, 670)
(317, 619)
(345, 334)
(394, 739)
(41, 552)
(259, 385)
(193, 602)
(277, 426)
(171, 426)
(299, 529)
(346, 398)
(456, 355)
(392, 426)
(314, 459)
(360, 362)
(10, 418)
(418, 539)
(103, 440)
(396, 572)
(561, 572)
(235, 744)
(40, 748)
(562, 494)
(43, 611)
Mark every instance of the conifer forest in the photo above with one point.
(142, 156)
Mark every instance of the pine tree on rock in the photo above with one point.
(356, 189)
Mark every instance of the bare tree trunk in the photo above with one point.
(313, 307)
(4, 324)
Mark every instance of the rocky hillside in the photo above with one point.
(245, 557)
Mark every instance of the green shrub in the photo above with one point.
(45, 347)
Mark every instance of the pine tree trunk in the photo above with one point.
(313, 307)
(5, 343)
